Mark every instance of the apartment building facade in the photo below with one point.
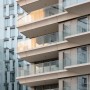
(57, 45)
(9, 36)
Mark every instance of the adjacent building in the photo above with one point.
(9, 36)
(57, 44)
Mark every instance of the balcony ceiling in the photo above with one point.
(80, 69)
(81, 39)
(31, 5)
(80, 8)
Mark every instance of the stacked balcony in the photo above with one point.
(71, 34)
(49, 37)
(40, 21)
(69, 63)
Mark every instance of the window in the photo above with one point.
(11, 10)
(82, 55)
(67, 58)
(82, 82)
(12, 76)
(12, 32)
(7, 65)
(82, 25)
(12, 86)
(7, 22)
(66, 29)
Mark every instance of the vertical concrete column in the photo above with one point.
(61, 60)
(89, 23)
(73, 56)
(73, 26)
(60, 30)
(61, 6)
(60, 84)
(88, 82)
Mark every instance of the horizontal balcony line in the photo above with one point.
(27, 44)
(40, 14)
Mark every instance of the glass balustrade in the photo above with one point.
(67, 3)
(45, 40)
(81, 55)
(40, 67)
(40, 14)
(37, 42)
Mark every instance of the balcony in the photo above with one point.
(31, 5)
(45, 46)
(40, 22)
(47, 71)
(41, 79)
(77, 6)
(82, 33)
(79, 63)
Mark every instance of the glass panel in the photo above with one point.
(67, 84)
(41, 13)
(39, 68)
(47, 39)
(82, 83)
(67, 59)
(82, 25)
(54, 65)
(51, 10)
(53, 37)
(46, 66)
(66, 29)
(66, 3)
(79, 1)
(82, 55)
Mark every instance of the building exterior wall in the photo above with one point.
(57, 58)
